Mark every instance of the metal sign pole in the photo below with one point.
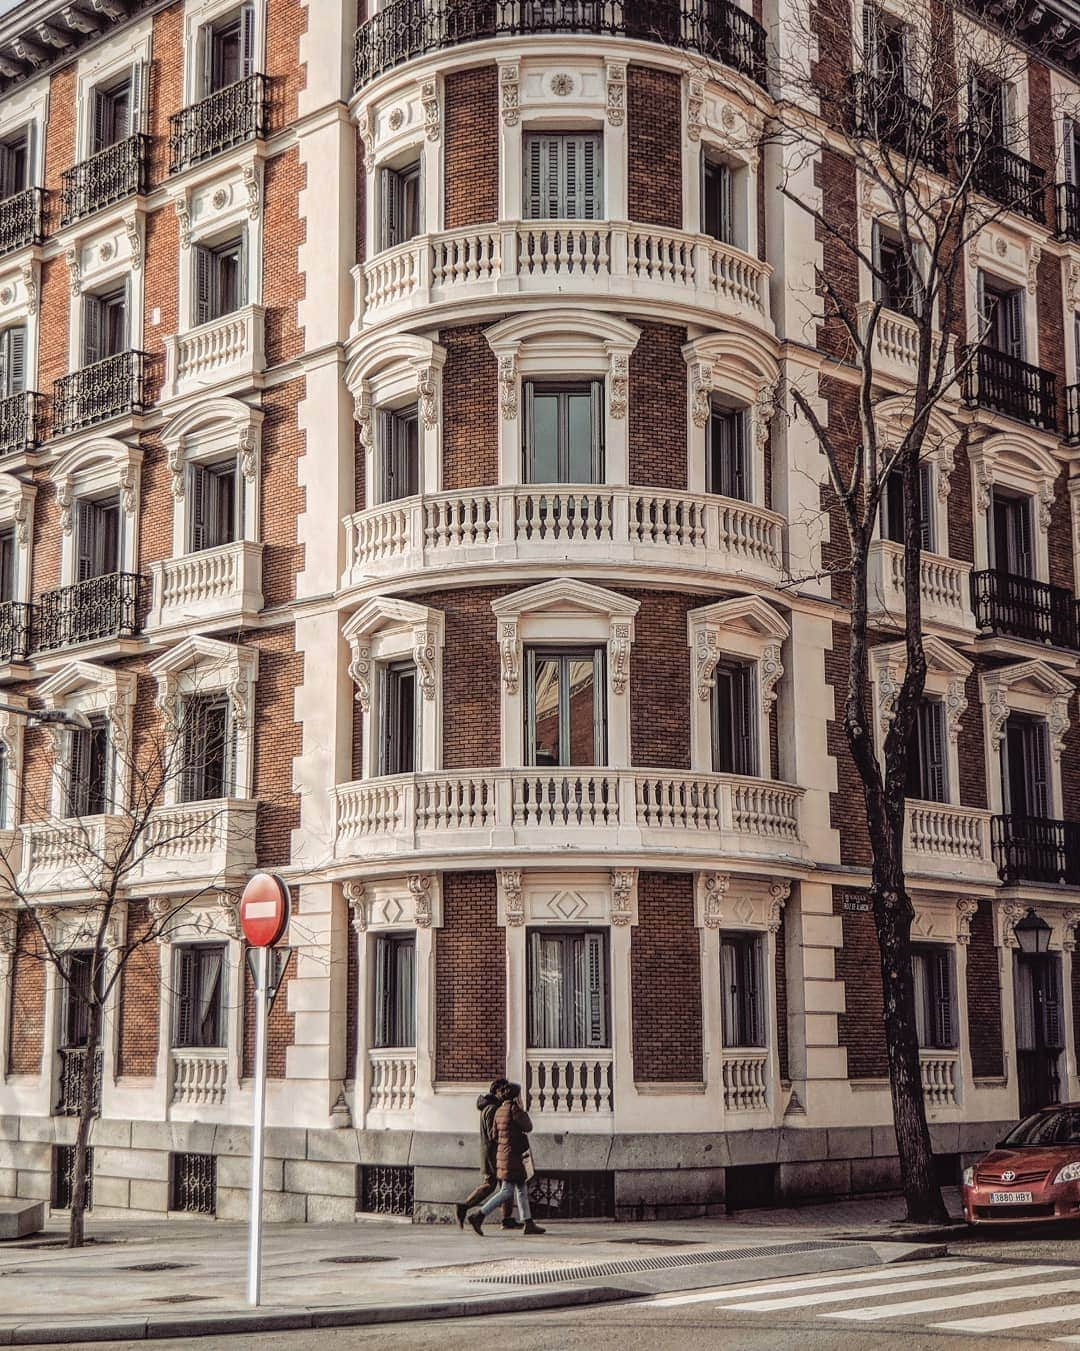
(262, 957)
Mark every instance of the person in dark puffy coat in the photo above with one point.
(511, 1127)
(487, 1104)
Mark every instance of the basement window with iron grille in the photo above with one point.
(573, 1196)
(63, 1177)
(193, 1187)
(384, 1189)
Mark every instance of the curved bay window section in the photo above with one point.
(403, 29)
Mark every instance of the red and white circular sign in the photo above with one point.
(264, 910)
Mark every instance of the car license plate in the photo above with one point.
(1010, 1198)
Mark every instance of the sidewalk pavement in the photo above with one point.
(183, 1278)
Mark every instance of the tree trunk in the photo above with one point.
(87, 1112)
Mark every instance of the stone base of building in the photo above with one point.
(153, 1169)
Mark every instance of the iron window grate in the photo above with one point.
(663, 1262)
(384, 1189)
(573, 1196)
(194, 1184)
(63, 1179)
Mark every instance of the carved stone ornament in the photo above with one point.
(984, 482)
(618, 397)
(708, 655)
(239, 694)
(944, 460)
(508, 386)
(509, 654)
(1058, 724)
(429, 99)
(764, 411)
(695, 104)
(1009, 914)
(248, 446)
(701, 385)
(168, 702)
(561, 85)
(1034, 259)
(22, 521)
(362, 413)
(955, 707)
(360, 674)
(623, 883)
(219, 199)
(355, 894)
(254, 190)
(63, 501)
(427, 389)
(1069, 921)
(396, 120)
(129, 484)
(509, 95)
(420, 886)
(176, 468)
(367, 137)
(616, 92)
(134, 238)
(510, 885)
(778, 897)
(997, 713)
(182, 207)
(715, 889)
(1000, 247)
(425, 654)
(7, 295)
(74, 267)
(1072, 284)
(1046, 504)
(770, 669)
(229, 917)
(619, 656)
(888, 693)
(965, 913)
(29, 277)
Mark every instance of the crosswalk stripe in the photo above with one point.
(969, 1297)
(902, 1287)
(900, 1270)
(1064, 1313)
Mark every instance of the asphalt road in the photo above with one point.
(1020, 1291)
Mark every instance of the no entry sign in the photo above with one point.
(264, 910)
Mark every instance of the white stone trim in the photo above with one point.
(892, 420)
(384, 630)
(565, 611)
(104, 62)
(84, 687)
(1018, 460)
(1026, 687)
(207, 432)
(739, 368)
(17, 509)
(198, 13)
(12, 727)
(210, 214)
(717, 121)
(746, 627)
(97, 467)
(563, 344)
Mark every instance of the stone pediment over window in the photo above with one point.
(212, 430)
(1030, 686)
(420, 630)
(946, 675)
(390, 367)
(740, 366)
(89, 689)
(746, 627)
(97, 465)
(892, 418)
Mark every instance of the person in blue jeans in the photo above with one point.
(510, 1133)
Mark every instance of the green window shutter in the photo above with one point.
(14, 374)
(534, 176)
(204, 284)
(596, 989)
(135, 107)
(247, 41)
(944, 1035)
(554, 199)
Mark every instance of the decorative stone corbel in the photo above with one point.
(1058, 724)
(1069, 921)
(1034, 259)
(623, 895)
(708, 656)
(764, 411)
(30, 285)
(1007, 915)
(955, 707)
(420, 886)
(134, 238)
(74, 267)
(619, 385)
(362, 412)
(22, 517)
(965, 913)
(778, 898)
(427, 389)
(239, 695)
(888, 693)
(701, 386)
(182, 207)
(695, 104)
(509, 97)
(770, 670)
(175, 458)
(508, 386)
(129, 484)
(366, 130)
(355, 894)
(168, 702)
(984, 482)
(425, 654)
(254, 190)
(619, 640)
(997, 714)
(1046, 504)
(615, 72)
(248, 446)
(713, 889)
(7, 932)
(229, 917)
(429, 99)
(360, 674)
(509, 882)
(1072, 285)
(509, 654)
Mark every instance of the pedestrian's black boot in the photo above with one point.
(511, 1223)
(461, 1211)
(531, 1227)
(477, 1222)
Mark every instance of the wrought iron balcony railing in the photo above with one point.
(1068, 211)
(72, 1063)
(228, 117)
(885, 112)
(1004, 176)
(22, 421)
(107, 389)
(15, 620)
(112, 174)
(1019, 607)
(22, 220)
(1008, 385)
(88, 611)
(405, 29)
(1036, 849)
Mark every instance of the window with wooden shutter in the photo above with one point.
(893, 285)
(220, 279)
(15, 163)
(7, 563)
(563, 176)
(1025, 766)
(1002, 310)
(105, 326)
(927, 778)
(734, 720)
(1010, 533)
(740, 977)
(399, 452)
(206, 767)
(395, 990)
(213, 505)
(118, 109)
(398, 719)
(932, 975)
(1053, 1025)
(567, 989)
(97, 537)
(198, 1014)
(89, 769)
(83, 981)
(399, 205)
(718, 200)
(12, 360)
(727, 467)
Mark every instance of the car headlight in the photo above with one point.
(968, 1178)
(1070, 1173)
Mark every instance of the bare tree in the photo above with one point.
(107, 830)
(916, 126)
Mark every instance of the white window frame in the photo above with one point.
(728, 368)
(1022, 461)
(892, 420)
(1011, 258)
(1027, 687)
(720, 129)
(384, 630)
(559, 344)
(101, 66)
(208, 433)
(199, 13)
(17, 512)
(95, 468)
(86, 688)
(212, 213)
(747, 629)
(411, 145)
(12, 727)
(200, 665)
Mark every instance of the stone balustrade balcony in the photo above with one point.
(945, 589)
(565, 259)
(213, 589)
(569, 1084)
(198, 843)
(896, 345)
(580, 524)
(393, 1079)
(940, 1071)
(72, 858)
(744, 1075)
(542, 809)
(226, 352)
(200, 1076)
(941, 840)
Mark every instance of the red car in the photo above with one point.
(1033, 1174)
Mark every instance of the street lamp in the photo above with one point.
(1033, 933)
(48, 717)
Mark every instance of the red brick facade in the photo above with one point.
(26, 1016)
(658, 398)
(654, 123)
(984, 977)
(861, 1025)
(470, 981)
(470, 447)
(471, 175)
(141, 987)
(665, 981)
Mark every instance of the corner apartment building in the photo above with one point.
(402, 386)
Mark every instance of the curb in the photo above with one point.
(149, 1327)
